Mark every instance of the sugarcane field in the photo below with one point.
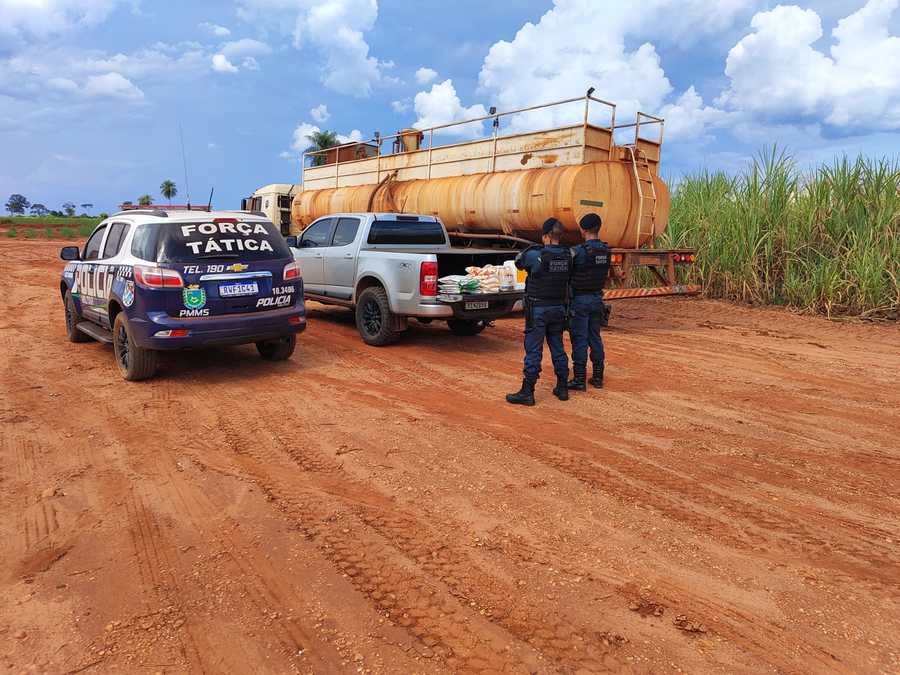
(548, 337)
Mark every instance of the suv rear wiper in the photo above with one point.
(217, 255)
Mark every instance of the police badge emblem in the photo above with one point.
(128, 294)
(194, 297)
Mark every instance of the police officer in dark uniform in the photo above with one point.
(546, 289)
(590, 267)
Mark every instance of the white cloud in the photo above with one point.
(334, 29)
(214, 29)
(775, 71)
(402, 106)
(212, 146)
(249, 63)
(25, 20)
(425, 75)
(441, 105)
(300, 141)
(244, 47)
(112, 85)
(353, 137)
(574, 46)
(688, 118)
(221, 64)
(320, 113)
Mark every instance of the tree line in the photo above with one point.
(18, 205)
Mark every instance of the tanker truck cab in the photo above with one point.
(148, 281)
(386, 267)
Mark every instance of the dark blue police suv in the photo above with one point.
(150, 280)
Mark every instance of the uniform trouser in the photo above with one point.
(545, 322)
(586, 316)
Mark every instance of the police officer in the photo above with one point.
(546, 289)
(586, 310)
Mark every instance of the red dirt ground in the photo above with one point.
(729, 502)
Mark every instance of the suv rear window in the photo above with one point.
(406, 232)
(187, 242)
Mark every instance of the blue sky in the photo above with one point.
(92, 92)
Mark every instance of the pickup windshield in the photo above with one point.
(187, 242)
(405, 231)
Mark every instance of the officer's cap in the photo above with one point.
(590, 222)
(549, 225)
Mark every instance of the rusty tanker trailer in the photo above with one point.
(500, 189)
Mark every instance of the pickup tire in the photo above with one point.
(72, 331)
(466, 327)
(134, 362)
(277, 350)
(374, 319)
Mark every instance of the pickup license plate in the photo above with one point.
(238, 288)
(477, 304)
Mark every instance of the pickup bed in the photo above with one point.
(386, 266)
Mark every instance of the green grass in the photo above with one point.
(48, 232)
(824, 241)
(67, 232)
(34, 221)
(11, 233)
(30, 233)
(85, 230)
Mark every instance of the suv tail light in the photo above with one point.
(428, 279)
(157, 277)
(291, 271)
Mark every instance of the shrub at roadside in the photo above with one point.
(11, 233)
(826, 241)
(85, 230)
(67, 232)
(30, 233)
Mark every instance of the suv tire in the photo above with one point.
(279, 349)
(134, 362)
(374, 319)
(72, 317)
(466, 327)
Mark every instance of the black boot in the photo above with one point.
(597, 379)
(561, 390)
(525, 395)
(577, 383)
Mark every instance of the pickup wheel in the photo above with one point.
(72, 331)
(134, 362)
(466, 327)
(374, 318)
(277, 350)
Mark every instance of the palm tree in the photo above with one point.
(145, 200)
(168, 190)
(321, 140)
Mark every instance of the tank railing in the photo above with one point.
(638, 124)
(378, 139)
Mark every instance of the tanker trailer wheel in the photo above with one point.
(374, 319)
(466, 327)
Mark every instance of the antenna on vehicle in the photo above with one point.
(209, 203)
(187, 186)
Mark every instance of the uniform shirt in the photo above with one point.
(530, 259)
(580, 256)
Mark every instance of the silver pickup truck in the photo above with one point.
(386, 266)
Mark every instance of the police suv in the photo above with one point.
(149, 280)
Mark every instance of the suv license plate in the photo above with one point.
(238, 289)
(478, 304)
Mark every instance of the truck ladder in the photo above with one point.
(643, 178)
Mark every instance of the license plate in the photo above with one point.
(477, 304)
(238, 289)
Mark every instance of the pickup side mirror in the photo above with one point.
(70, 253)
(291, 241)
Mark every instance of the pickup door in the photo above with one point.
(340, 259)
(311, 254)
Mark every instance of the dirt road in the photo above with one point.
(728, 504)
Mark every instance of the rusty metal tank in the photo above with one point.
(512, 202)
